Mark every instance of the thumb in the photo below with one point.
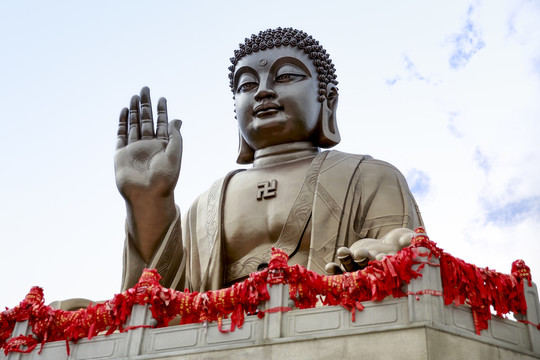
(174, 147)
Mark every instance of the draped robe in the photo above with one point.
(351, 197)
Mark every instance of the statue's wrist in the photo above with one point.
(152, 207)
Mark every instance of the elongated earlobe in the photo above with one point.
(328, 131)
(245, 153)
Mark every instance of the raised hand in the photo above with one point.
(358, 255)
(147, 163)
(147, 166)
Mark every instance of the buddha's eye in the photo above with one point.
(247, 82)
(289, 77)
(284, 77)
(245, 87)
(289, 73)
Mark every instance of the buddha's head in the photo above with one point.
(284, 87)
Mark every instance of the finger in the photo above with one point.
(174, 146)
(378, 255)
(121, 139)
(382, 255)
(133, 134)
(344, 255)
(393, 236)
(361, 257)
(147, 120)
(333, 269)
(405, 240)
(162, 120)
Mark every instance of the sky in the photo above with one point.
(448, 92)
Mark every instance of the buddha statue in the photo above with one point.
(330, 211)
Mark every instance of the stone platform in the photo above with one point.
(412, 327)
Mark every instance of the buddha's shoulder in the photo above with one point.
(364, 162)
(209, 200)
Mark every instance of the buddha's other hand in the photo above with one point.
(358, 255)
(147, 166)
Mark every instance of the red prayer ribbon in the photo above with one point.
(463, 283)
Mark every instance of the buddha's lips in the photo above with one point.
(266, 107)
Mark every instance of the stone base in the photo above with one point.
(416, 327)
(417, 343)
(381, 331)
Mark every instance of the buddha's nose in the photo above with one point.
(264, 93)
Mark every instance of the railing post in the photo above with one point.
(532, 318)
(425, 293)
(279, 298)
(21, 328)
(140, 315)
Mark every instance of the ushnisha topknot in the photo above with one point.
(270, 38)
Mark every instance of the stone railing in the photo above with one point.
(418, 326)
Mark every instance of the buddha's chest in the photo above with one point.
(257, 205)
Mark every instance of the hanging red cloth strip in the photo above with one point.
(463, 283)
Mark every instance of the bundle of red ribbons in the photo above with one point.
(463, 283)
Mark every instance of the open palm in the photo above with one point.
(147, 162)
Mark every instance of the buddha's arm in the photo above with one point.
(147, 166)
(386, 201)
(168, 259)
(386, 216)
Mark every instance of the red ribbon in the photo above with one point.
(530, 323)
(425, 292)
(480, 288)
(277, 309)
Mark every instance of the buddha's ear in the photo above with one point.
(245, 153)
(328, 130)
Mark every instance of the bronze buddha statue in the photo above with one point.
(319, 206)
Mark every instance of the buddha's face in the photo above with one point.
(276, 93)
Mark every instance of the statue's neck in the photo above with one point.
(279, 154)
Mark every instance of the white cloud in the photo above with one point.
(419, 182)
(466, 43)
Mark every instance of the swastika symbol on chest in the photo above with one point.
(266, 189)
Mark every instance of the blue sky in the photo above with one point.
(446, 91)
